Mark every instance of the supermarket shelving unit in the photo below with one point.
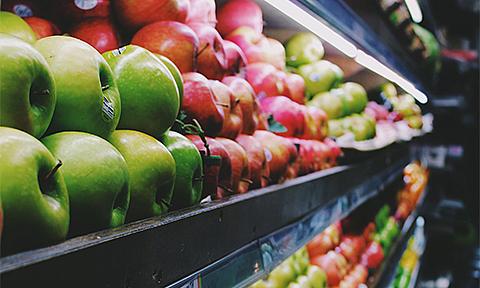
(233, 242)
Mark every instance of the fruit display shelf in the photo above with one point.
(257, 225)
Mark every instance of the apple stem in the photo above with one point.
(266, 178)
(229, 190)
(54, 169)
(203, 49)
(105, 87)
(222, 105)
(42, 93)
(198, 179)
(246, 180)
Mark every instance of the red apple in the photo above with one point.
(218, 182)
(72, 11)
(328, 264)
(42, 27)
(275, 53)
(257, 162)
(240, 168)
(293, 167)
(97, 32)
(174, 40)
(277, 154)
(335, 151)
(319, 245)
(202, 11)
(286, 112)
(295, 88)
(316, 124)
(234, 57)
(201, 104)
(265, 80)
(237, 13)
(23, 8)
(136, 14)
(211, 57)
(244, 94)
(373, 256)
(369, 232)
(232, 125)
(347, 249)
(305, 156)
(321, 155)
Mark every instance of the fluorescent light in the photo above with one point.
(414, 10)
(315, 26)
(374, 65)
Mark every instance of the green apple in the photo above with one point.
(188, 186)
(303, 48)
(389, 90)
(303, 259)
(320, 76)
(282, 275)
(150, 98)
(414, 121)
(97, 180)
(317, 277)
(358, 95)
(87, 96)
(177, 75)
(152, 173)
(335, 128)
(27, 88)
(303, 281)
(328, 102)
(293, 285)
(16, 26)
(359, 126)
(259, 284)
(33, 191)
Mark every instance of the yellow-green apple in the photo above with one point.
(42, 27)
(218, 179)
(240, 168)
(276, 153)
(137, 14)
(211, 59)
(232, 125)
(187, 190)
(152, 173)
(329, 102)
(282, 275)
(174, 40)
(22, 8)
(320, 76)
(177, 75)
(303, 48)
(202, 11)
(414, 121)
(286, 112)
(237, 13)
(303, 282)
(16, 26)
(72, 11)
(295, 87)
(244, 94)
(358, 96)
(149, 94)
(317, 277)
(87, 96)
(27, 90)
(200, 103)
(235, 57)
(257, 161)
(98, 32)
(34, 195)
(265, 80)
(97, 180)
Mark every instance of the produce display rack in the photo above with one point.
(159, 251)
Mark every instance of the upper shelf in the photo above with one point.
(159, 251)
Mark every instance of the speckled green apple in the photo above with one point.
(97, 180)
(27, 88)
(33, 191)
(358, 96)
(15, 26)
(152, 173)
(303, 48)
(188, 183)
(177, 75)
(320, 76)
(87, 96)
(150, 98)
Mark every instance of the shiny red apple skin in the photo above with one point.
(232, 125)
(98, 32)
(211, 58)
(244, 94)
(202, 11)
(286, 112)
(295, 87)
(42, 27)
(22, 8)
(235, 57)
(265, 80)
(73, 11)
(305, 156)
(240, 168)
(200, 103)
(136, 14)
(237, 13)
(319, 245)
(277, 154)
(174, 40)
(257, 162)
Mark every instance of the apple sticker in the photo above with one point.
(22, 10)
(86, 4)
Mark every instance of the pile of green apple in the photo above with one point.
(294, 272)
(84, 138)
(387, 228)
